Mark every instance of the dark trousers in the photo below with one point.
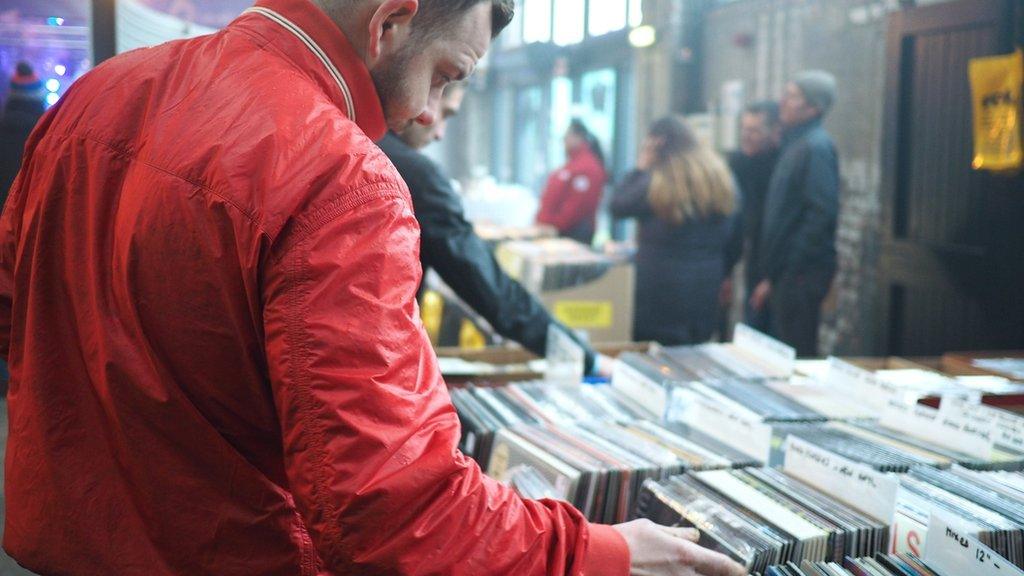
(795, 309)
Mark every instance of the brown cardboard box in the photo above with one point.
(602, 308)
(583, 289)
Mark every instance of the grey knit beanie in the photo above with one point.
(819, 88)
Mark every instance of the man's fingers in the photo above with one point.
(689, 534)
(708, 563)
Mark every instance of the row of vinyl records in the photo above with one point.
(764, 517)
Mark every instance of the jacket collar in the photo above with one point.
(308, 37)
(796, 132)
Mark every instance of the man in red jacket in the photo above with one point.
(207, 280)
(573, 193)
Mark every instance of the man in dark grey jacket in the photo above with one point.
(450, 246)
(798, 255)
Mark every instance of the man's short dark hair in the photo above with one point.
(435, 16)
(767, 108)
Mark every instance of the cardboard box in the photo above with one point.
(583, 289)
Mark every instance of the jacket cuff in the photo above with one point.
(607, 554)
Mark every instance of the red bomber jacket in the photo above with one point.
(207, 281)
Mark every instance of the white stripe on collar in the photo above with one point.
(314, 48)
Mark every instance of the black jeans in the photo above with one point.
(795, 308)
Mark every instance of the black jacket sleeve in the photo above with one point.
(630, 199)
(819, 193)
(450, 246)
(734, 244)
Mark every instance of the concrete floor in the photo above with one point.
(8, 567)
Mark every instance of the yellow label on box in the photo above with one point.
(996, 91)
(585, 313)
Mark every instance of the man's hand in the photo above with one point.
(759, 298)
(725, 292)
(661, 551)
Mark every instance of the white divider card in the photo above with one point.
(565, 357)
(764, 347)
(862, 384)
(910, 523)
(730, 424)
(635, 385)
(950, 551)
(860, 486)
(1008, 427)
(950, 431)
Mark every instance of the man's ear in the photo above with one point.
(386, 25)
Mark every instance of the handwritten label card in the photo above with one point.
(565, 358)
(950, 551)
(1008, 427)
(649, 393)
(865, 386)
(944, 429)
(732, 425)
(769, 350)
(860, 486)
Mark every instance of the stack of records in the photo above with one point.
(551, 264)
(659, 369)
(721, 363)
(597, 466)
(763, 401)
(919, 499)
(1008, 485)
(889, 451)
(484, 411)
(762, 518)
(878, 565)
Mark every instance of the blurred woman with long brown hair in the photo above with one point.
(685, 200)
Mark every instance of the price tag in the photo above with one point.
(768, 349)
(731, 425)
(943, 429)
(860, 486)
(635, 385)
(565, 358)
(950, 551)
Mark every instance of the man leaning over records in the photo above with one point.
(449, 245)
(217, 365)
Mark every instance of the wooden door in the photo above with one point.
(952, 253)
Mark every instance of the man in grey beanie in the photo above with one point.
(798, 235)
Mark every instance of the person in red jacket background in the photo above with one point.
(572, 194)
(208, 273)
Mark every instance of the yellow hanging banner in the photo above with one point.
(996, 83)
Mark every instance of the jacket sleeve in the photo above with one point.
(450, 246)
(734, 243)
(820, 197)
(569, 200)
(7, 251)
(630, 198)
(369, 433)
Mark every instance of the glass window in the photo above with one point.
(529, 140)
(597, 106)
(561, 114)
(569, 20)
(606, 16)
(536, 21)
